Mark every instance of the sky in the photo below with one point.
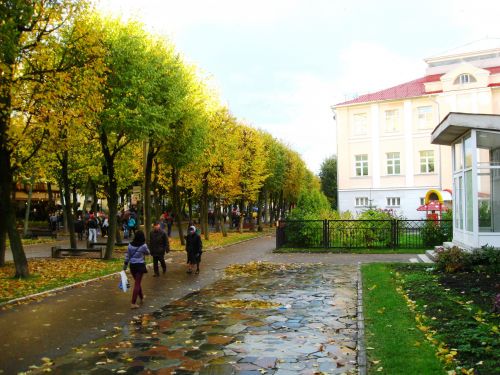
(279, 65)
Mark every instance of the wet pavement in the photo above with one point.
(261, 319)
(35, 332)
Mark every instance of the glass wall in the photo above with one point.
(488, 181)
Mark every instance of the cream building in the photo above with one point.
(384, 151)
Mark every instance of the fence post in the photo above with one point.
(394, 230)
(325, 234)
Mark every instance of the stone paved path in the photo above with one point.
(262, 319)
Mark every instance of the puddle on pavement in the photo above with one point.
(260, 319)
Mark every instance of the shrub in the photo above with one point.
(451, 260)
(434, 233)
(486, 256)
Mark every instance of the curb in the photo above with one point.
(83, 283)
(361, 327)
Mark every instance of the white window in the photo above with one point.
(393, 201)
(464, 78)
(360, 124)
(392, 121)
(361, 201)
(393, 163)
(427, 161)
(361, 165)
(424, 117)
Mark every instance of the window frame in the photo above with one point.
(394, 163)
(361, 165)
(425, 118)
(427, 161)
(360, 128)
(361, 201)
(393, 121)
(393, 201)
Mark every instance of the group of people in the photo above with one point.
(158, 246)
(91, 224)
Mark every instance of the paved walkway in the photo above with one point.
(54, 325)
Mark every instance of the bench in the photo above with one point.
(57, 250)
(92, 244)
(39, 232)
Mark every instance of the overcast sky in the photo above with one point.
(280, 64)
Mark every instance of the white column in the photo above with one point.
(409, 166)
(375, 155)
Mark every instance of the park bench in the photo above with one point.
(57, 251)
(93, 244)
(40, 232)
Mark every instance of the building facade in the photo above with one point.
(385, 156)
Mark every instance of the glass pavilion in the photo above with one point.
(475, 145)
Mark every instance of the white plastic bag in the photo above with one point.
(124, 284)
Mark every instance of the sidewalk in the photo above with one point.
(54, 325)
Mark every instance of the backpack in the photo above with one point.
(131, 223)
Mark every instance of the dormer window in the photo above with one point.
(464, 79)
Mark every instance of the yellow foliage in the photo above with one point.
(51, 273)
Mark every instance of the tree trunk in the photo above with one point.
(259, 212)
(50, 193)
(75, 202)
(9, 216)
(156, 195)
(28, 207)
(147, 190)
(204, 205)
(177, 203)
(67, 199)
(8, 222)
(242, 216)
(3, 245)
(111, 187)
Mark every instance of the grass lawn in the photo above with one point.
(394, 345)
(415, 315)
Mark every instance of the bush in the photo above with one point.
(451, 260)
(455, 259)
(435, 233)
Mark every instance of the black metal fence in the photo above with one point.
(374, 234)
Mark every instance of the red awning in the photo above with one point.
(433, 206)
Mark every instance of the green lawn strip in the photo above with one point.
(350, 251)
(398, 347)
(457, 320)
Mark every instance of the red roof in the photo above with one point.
(405, 90)
(433, 206)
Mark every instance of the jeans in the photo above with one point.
(92, 235)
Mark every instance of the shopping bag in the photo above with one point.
(124, 284)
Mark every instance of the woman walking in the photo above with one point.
(194, 249)
(136, 252)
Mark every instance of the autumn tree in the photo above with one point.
(75, 100)
(252, 166)
(328, 177)
(186, 138)
(29, 33)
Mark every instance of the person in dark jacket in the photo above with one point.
(194, 249)
(136, 253)
(158, 245)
